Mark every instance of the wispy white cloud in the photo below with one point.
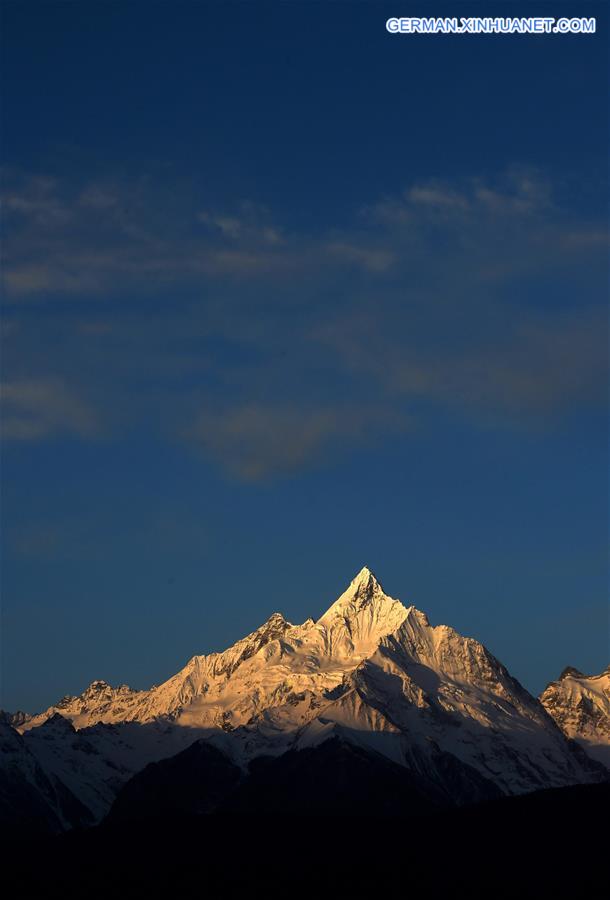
(36, 200)
(542, 368)
(256, 441)
(418, 300)
(518, 192)
(107, 238)
(251, 223)
(373, 259)
(37, 408)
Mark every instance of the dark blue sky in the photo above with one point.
(285, 295)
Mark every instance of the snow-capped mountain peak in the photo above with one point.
(580, 704)
(365, 593)
(571, 672)
(366, 579)
(369, 669)
(278, 657)
(276, 619)
(362, 589)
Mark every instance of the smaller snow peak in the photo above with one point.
(100, 690)
(98, 686)
(422, 618)
(65, 701)
(275, 625)
(15, 719)
(571, 672)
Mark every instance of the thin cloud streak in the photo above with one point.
(35, 409)
(101, 239)
(256, 442)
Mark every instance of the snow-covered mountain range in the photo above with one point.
(370, 672)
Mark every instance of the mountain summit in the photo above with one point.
(370, 672)
(278, 657)
(365, 583)
(355, 623)
(363, 590)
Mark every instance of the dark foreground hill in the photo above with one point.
(336, 778)
(547, 844)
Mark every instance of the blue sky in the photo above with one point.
(285, 295)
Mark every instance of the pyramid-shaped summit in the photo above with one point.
(360, 618)
(366, 583)
(363, 589)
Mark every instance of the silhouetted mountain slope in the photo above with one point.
(338, 777)
(335, 779)
(195, 782)
(32, 800)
